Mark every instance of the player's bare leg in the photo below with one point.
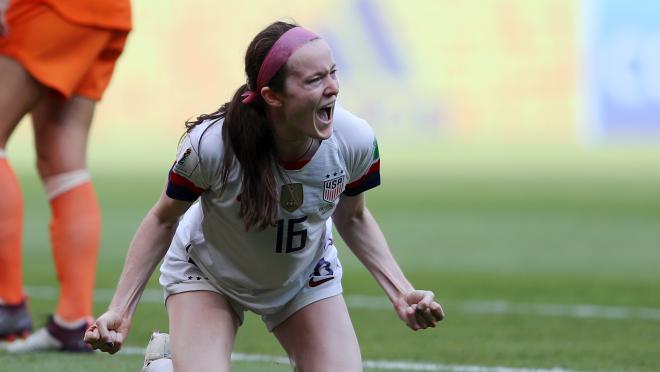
(61, 129)
(320, 337)
(203, 328)
(18, 94)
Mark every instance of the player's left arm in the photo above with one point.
(357, 226)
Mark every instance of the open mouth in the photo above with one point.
(325, 113)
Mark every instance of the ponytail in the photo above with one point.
(247, 136)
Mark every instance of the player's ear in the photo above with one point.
(271, 97)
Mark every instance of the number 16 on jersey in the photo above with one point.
(293, 235)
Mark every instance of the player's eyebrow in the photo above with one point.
(320, 72)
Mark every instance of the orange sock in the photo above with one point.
(75, 232)
(11, 232)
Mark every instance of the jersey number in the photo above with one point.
(291, 234)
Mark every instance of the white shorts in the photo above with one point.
(180, 274)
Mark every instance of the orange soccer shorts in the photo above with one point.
(70, 58)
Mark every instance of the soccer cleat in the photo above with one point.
(53, 337)
(157, 353)
(15, 322)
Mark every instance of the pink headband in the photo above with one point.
(277, 56)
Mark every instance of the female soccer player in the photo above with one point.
(56, 59)
(273, 169)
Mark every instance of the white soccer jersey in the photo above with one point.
(266, 268)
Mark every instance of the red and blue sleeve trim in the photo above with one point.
(181, 188)
(370, 180)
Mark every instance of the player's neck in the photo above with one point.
(297, 150)
(291, 144)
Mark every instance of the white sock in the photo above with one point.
(160, 365)
(63, 182)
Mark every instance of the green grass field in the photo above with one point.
(510, 253)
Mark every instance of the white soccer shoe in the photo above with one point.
(157, 357)
(53, 337)
(40, 340)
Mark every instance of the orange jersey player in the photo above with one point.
(56, 60)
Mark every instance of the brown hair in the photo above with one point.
(248, 137)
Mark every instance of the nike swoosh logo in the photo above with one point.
(316, 283)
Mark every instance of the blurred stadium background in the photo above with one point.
(521, 163)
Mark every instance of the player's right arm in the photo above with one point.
(148, 247)
(188, 179)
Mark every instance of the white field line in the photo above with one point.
(465, 306)
(522, 308)
(375, 364)
(380, 303)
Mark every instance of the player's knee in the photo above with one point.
(49, 166)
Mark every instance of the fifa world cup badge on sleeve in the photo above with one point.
(186, 163)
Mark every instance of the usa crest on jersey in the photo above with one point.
(333, 186)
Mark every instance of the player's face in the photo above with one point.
(310, 91)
